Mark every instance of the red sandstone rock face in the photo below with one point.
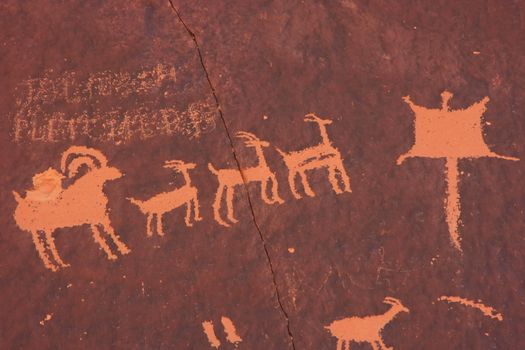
(128, 79)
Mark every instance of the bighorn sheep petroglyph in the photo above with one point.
(229, 178)
(365, 329)
(50, 205)
(165, 202)
(324, 155)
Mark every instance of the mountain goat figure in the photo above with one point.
(365, 329)
(50, 205)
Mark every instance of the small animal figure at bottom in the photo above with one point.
(158, 205)
(365, 329)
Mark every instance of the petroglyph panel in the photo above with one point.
(196, 175)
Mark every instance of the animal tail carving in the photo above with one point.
(212, 169)
(18, 197)
(137, 202)
(282, 153)
(82, 155)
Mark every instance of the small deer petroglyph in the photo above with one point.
(324, 155)
(229, 178)
(365, 329)
(50, 206)
(164, 202)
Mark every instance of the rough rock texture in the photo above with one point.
(285, 271)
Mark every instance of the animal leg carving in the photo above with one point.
(340, 343)
(275, 190)
(40, 248)
(217, 206)
(307, 189)
(160, 230)
(374, 345)
(122, 248)
(51, 243)
(98, 238)
(187, 218)
(197, 215)
(291, 181)
(229, 205)
(344, 176)
(264, 195)
(149, 219)
(382, 344)
(333, 180)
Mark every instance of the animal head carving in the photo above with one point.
(396, 303)
(312, 118)
(251, 140)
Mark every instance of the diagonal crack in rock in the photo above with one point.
(232, 146)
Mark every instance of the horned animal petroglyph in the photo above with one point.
(365, 329)
(323, 155)
(50, 206)
(229, 178)
(158, 205)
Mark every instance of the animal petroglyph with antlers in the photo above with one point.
(164, 202)
(229, 178)
(323, 155)
(50, 205)
(365, 329)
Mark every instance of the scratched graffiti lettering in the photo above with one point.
(69, 108)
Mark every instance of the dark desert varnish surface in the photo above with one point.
(119, 231)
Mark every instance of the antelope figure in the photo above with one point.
(365, 329)
(50, 205)
(324, 155)
(229, 178)
(164, 202)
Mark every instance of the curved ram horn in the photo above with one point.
(392, 300)
(173, 163)
(247, 135)
(76, 163)
(82, 151)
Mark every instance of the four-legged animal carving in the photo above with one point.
(168, 201)
(365, 329)
(324, 155)
(229, 178)
(50, 206)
